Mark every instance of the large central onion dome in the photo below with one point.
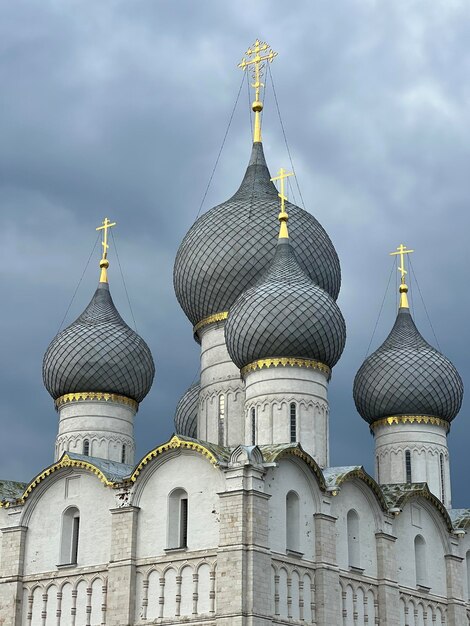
(99, 353)
(407, 376)
(285, 315)
(214, 265)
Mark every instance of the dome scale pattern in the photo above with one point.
(285, 315)
(99, 352)
(214, 265)
(407, 376)
(186, 412)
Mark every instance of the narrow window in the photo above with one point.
(443, 493)
(420, 560)
(352, 523)
(123, 453)
(70, 536)
(253, 426)
(378, 470)
(293, 423)
(408, 466)
(178, 519)
(292, 521)
(221, 420)
(86, 447)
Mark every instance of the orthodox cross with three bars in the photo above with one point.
(106, 224)
(256, 51)
(402, 250)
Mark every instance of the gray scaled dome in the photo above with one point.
(285, 315)
(186, 412)
(407, 376)
(99, 353)
(214, 265)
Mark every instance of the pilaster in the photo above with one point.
(456, 609)
(11, 585)
(327, 585)
(388, 592)
(121, 577)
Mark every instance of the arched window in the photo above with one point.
(354, 546)
(420, 560)
(178, 519)
(123, 453)
(221, 420)
(86, 447)
(378, 469)
(253, 426)
(292, 521)
(70, 536)
(443, 490)
(408, 465)
(467, 560)
(293, 422)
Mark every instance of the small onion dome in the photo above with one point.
(285, 315)
(214, 265)
(407, 376)
(186, 412)
(100, 353)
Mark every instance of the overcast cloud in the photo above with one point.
(119, 108)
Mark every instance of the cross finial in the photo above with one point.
(402, 250)
(283, 215)
(256, 58)
(104, 263)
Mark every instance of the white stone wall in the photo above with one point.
(106, 425)
(426, 443)
(272, 390)
(219, 375)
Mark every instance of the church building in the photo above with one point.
(239, 519)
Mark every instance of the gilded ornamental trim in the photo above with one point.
(210, 319)
(410, 419)
(286, 362)
(174, 443)
(83, 396)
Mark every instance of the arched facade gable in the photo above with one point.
(47, 478)
(145, 470)
(376, 503)
(367, 485)
(442, 522)
(308, 462)
(431, 503)
(65, 462)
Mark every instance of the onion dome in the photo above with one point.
(285, 315)
(99, 352)
(407, 376)
(186, 412)
(214, 265)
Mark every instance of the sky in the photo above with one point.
(120, 108)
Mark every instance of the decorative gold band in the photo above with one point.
(82, 396)
(410, 419)
(210, 319)
(286, 362)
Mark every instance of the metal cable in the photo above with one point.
(79, 283)
(424, 305)
(285, 136)
(123, 281)
(221, 148)
(381, 308)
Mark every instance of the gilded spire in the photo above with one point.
(256, 58)
(402, 250)
(283, 215)
(104, 263)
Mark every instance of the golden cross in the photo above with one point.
(283, 216)
(402, 250)
(106, 224)
(258, 61)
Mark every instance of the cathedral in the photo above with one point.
(239, 519)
